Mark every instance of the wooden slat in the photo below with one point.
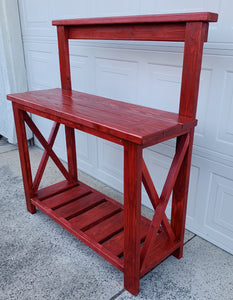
(66, 98)
(107, 228)
(120, 108)
(94, 216)
(116, 243)
(54, 189)
(66, 197)
(79, 206)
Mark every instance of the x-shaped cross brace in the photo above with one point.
(48, 151)
(160, 204)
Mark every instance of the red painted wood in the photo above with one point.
(153, 196)
(193, 49)
(164, 198)
(162, 248)
(94, 216)
(149, 186)
(163, 18)
(175, 167)
(116, 243)
(80, 206)
(71, 152)
(106, 229)
(180, 197)
(63, 48)
(45, 157)
(116, 118)
(136, 32)
(24, 158)
(132, 215)
(54, 189)
(195, 37)
(66, 197)
(113, 259)
(47, 147)
(64, 59)
(72, 124)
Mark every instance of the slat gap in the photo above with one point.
(93, 205)
(72, 200)
(58, 193)
(111, 235)
(101, 219)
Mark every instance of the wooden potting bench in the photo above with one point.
(117, 232)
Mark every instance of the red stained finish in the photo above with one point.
(166, 18)
(45, 157)
(106, 116)
(117, 232)
(135, 32)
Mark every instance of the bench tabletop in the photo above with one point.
(138, 124)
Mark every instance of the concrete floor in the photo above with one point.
(41, 260)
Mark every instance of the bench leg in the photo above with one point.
(24, 158)
(71, 152)
(179, 198)
(132, 215)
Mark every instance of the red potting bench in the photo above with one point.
(117, 232)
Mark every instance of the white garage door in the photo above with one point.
(147, 74)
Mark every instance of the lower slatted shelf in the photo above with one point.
(92, 217)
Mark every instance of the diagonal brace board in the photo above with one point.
(45, 156)
(164, 198)
(154, 198)
(47, 147)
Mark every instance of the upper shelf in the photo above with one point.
(165, 18)
(169, 27)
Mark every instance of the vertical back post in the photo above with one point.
(64, 59)
(195, 36)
